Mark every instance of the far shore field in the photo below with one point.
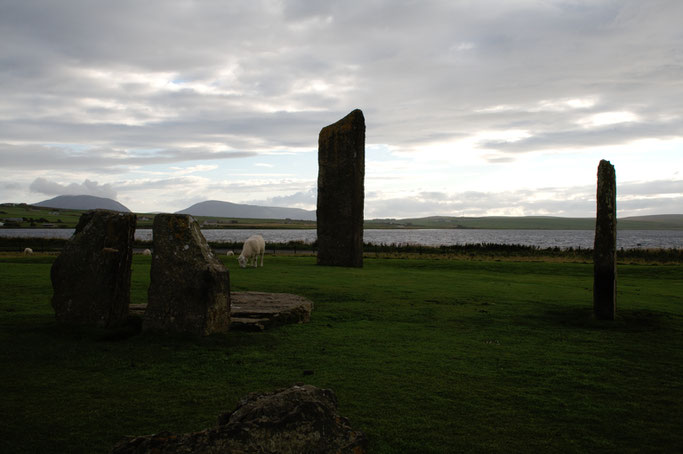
(42, 217)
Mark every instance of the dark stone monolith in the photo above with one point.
(91, 277)
(341, 191)
(605, 247)
(189, 289)
(299, 419)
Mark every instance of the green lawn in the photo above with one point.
(424, 355)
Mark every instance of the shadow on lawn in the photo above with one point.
(625, 321)
(130, 333)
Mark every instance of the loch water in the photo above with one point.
(627, 239)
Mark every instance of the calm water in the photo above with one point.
(627, 239)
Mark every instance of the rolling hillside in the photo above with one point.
(232, 215)
(82, 202)
(215, 208)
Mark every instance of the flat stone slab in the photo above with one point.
(259, 310)
(256, 311)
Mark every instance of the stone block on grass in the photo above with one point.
(91, 276)
(189, 289)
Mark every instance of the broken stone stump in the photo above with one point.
(91, 276)
(256, 311)
(341, 191)
(189, 289)
(605, 246)
(300, 419)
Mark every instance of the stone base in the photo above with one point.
(256, 311)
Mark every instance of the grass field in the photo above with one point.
(425, 356)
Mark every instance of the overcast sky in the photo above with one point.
(472, 108)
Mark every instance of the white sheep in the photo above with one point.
(28, 251)
(254, 246)
(229, 253)
(146, 252)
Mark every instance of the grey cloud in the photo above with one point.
(435, 196)
(102, 160)
(302, 199)
(280, 129)
(657, 205)
(499, 159)
(580, 138)
(272, 74)
(9, 185)
(263, 187)
(659, 187)
(306, 9)
(152, 185)
(403, 73)
(309, 197)
(632, 198)
(153, 34)
(45, 186)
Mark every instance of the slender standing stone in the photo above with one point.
(91, 277)
(341, 191)
(605, 247)
(189, 290)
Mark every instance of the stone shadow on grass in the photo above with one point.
(625, 321)
(123, 330)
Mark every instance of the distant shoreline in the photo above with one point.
(16, 238)
(373, 225)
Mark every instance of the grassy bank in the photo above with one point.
(425, 355)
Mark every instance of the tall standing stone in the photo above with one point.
(91, 277)
(605, 247)
(189, 289)
(341, 191)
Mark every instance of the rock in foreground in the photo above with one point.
(296, 420)
(91, 277)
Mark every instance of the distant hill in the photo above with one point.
(82, 202)
(215, 208)
(656, 221)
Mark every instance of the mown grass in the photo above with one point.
(425, 356)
